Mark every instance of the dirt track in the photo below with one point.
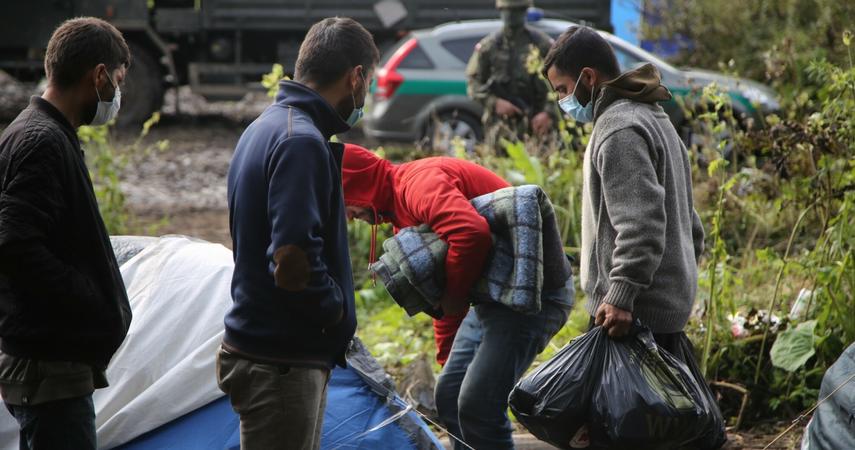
(183, 189)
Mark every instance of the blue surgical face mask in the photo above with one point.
(571, 105)
(357, 113)
(355, 117)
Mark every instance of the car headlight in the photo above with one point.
(761, 97)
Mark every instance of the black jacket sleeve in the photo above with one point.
(31, 206)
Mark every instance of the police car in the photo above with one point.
(419, 90)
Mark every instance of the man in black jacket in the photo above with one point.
(63, 306)
(293, 314)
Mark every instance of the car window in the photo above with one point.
(627, 60)
(387, 54)
(462, 48)
(416, 59)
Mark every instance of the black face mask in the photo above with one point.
(513, 18)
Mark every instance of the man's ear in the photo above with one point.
(356, 76)
(98, 73)
(588, 78)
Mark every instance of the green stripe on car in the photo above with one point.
(432, 87)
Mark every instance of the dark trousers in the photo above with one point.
(58, 425)
(493, 348)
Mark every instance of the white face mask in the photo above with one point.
(107, 111)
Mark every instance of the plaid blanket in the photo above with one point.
(527, 256)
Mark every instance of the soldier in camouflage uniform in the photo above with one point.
(501, 79)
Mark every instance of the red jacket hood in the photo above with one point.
(433, 191)
(367, 180)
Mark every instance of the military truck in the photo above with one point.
(220, 48)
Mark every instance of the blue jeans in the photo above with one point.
(493, 348)
(58, 425)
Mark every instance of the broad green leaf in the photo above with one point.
(794, 347)
(529, 166)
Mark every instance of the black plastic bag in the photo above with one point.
(553, 402)
(648, 399)
(715, 435)
(599, 392)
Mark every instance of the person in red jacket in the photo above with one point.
(494, 345)
(434, 191)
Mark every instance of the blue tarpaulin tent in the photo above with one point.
(353, 408)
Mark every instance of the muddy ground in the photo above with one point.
(182, 190)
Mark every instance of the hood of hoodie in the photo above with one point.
(643, 84)
(367, 180)
(309, 101)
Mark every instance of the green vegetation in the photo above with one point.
(270, 81)
(768, 40)
(783, 229)
(106, 160)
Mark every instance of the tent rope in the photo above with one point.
(443, 429)
(391, 419)
(394, 418)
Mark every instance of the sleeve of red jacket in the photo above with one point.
(436, 201)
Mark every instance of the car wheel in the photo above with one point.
(449, 128)
(142, 93)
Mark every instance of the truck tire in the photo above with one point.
(142, 93)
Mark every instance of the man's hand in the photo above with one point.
(541, 123)
(505, 108)
(613, 319)
(452, 306)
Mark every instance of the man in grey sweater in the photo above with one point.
(641, 236)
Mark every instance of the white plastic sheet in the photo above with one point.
(165, 367)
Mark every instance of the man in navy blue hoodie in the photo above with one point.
(293, 313)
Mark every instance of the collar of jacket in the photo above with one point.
(309, 101)
(47, 107)
(643, 84)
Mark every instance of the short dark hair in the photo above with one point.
(331, 48)
(80, 44)
(581, 47)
